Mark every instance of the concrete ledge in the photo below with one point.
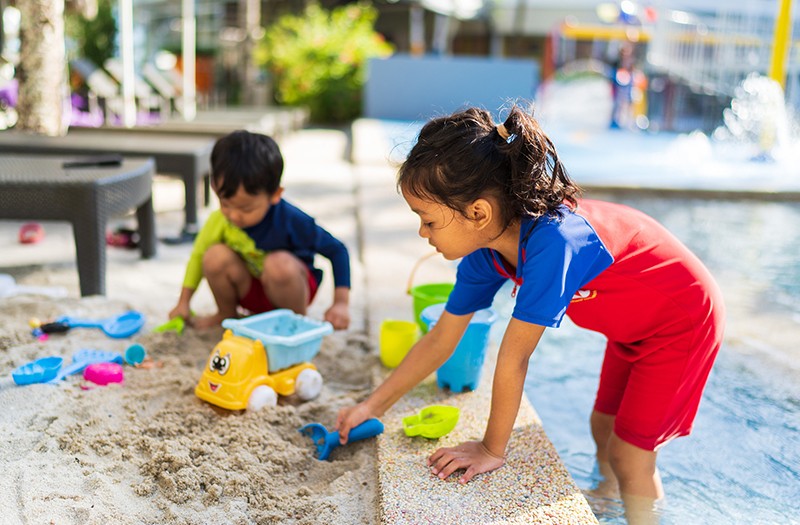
(533, 487)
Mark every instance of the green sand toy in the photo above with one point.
(176, 324)
(432, 421)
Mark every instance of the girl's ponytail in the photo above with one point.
(466, 156)
(538, 181)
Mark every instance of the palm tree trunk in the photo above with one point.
(42, 68)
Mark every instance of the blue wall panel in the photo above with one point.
(417, 88)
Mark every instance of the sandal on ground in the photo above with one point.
(31, 233)
(123, 238)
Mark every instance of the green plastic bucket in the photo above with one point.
(426, 295)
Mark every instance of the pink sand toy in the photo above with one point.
(83, 358)
(104, 373)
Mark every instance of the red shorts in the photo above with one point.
(256, 301)
(655, 398)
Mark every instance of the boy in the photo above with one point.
(257, 251)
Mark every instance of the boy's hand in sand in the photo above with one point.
(472, 456)
(181, 310)
(338, 315)
(349, 418)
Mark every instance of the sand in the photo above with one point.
(149, 451)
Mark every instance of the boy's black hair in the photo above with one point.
(462, 157)
(246, 159)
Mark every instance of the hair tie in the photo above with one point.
(502, 131)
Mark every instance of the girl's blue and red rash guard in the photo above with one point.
(611, 268)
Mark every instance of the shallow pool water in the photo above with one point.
(742, 462)
(740, 465)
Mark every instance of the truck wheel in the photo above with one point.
(261, 397)
(308, 384)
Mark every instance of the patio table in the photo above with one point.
(187, 157)
(40, 188)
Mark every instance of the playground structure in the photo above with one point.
(694, 58)
(715, 51)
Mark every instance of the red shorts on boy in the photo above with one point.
(256, 301)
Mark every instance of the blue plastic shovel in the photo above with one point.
(327, 441)
(119, 326)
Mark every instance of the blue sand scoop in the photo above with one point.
(39, 371)
(327, 441)
(119, 326)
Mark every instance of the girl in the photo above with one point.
(498, 197)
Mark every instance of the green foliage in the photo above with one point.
(318, 58)
(95, 38)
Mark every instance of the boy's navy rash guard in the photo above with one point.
(286, 227)
(611, 268)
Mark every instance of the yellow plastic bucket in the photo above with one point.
(425, 295)
(396, 339)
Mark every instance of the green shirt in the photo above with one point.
(218, 230)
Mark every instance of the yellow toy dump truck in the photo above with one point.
(262, 356)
